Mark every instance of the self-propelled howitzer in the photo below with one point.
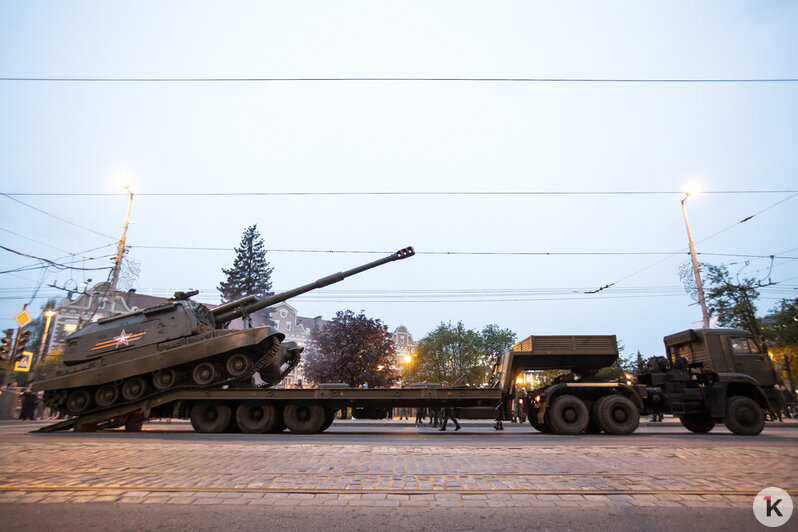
(180, 344)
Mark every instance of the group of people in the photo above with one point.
(437, 416)
(31, 406)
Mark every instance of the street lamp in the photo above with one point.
(699, 286)
(49, 313)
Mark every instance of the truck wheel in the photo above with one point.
(698, 423)
(533, 420)
(328, 420)
(617, 415)
(744, 416)
(210, 417)
(304, 418)
(568, 415)
(254, 418)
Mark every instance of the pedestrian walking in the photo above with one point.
(433, 417)
(421, 413)
(448, 413)
(403, 413)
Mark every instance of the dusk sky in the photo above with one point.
(500, 181)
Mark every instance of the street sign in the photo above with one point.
(23, 318)
(23, 363)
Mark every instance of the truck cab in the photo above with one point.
(714, 375)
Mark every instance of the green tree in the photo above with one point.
(354, 349)
(451, 351)
(250, 274)
(781, 329)
(733, 303)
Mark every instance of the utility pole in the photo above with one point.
(121, 249)
(699, 286)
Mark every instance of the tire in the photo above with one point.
(328, 420)
(744, 416)
(617, 415)
(106, 395)
(133, 388)
(568, 415)
(78, 401)
(697, 423)
(255, 418)
(304, 418)
(210, 417)
(533, 420)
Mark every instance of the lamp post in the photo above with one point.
(49, 313)
(121, 249)
(699, 286)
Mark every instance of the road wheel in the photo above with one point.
(210, 417)
(744, 416)
(237, 365)
(304, 418)
(533, 420)
(164, 379)
(698, 423)
(78, 401)
(568, 415)
(133, 388)
(617, 415)
(106, 395)
(254, 418)
(203, 373)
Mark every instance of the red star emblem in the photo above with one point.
(123, 338)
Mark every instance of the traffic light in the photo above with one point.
(22, 342)
(5, 348)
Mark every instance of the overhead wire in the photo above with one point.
(9, 196)
(253, 79)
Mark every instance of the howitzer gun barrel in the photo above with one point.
(225, 313)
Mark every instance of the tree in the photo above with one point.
(734, 304)
(451, 351)
(354, 349)
(781, 329)
(250, 274)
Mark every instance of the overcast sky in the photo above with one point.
(206, 137)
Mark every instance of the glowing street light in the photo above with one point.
(699, 286)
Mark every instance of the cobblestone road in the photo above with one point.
(209, 472)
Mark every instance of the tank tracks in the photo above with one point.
(269, 355)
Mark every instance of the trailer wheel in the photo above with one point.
(210, 417)
(304, 418)
(617, 415)
(328, 420)
(744, 416)
(533, 420)
(568, 415)
(254, 418)
(698, 423)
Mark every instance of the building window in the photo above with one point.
(401, 339)
(69, 328)
(101, 305)
(287, 326)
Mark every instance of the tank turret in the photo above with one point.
(178, 344)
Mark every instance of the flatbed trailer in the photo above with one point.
(685, 384)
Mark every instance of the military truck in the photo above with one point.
(706, 377)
